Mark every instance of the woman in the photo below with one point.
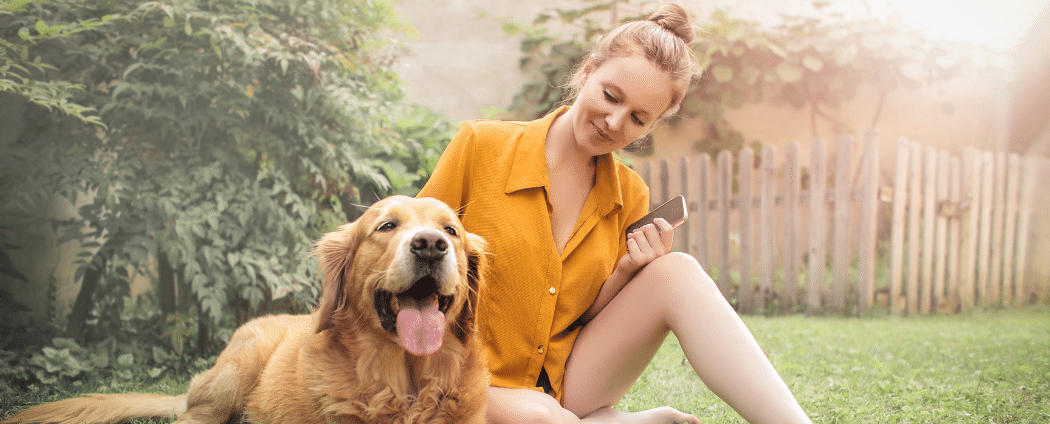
(574, 311)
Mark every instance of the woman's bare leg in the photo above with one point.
(674, 294)
(524, 406)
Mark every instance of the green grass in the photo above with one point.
(973, 368)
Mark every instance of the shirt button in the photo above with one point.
(540, 349)
(552, 290)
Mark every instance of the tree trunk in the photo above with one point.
(82, 306)
(166, 289)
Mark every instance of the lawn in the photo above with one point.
(991, 367)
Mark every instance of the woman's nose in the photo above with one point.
(615, 119)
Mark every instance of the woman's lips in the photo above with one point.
(601, 133)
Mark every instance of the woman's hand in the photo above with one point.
(645, 244)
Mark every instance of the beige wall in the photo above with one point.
(460, 62)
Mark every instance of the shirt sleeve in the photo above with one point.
(450, 181)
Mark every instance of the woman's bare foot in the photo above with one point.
(661, 415)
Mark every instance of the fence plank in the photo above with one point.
(971, 194)
(995, 282)
(745, 288)
(1013, 183)
(914, 229)
(954, 222)
(817, 212)
(725, 181)
(1024, 216)
(900, 201)
(642, 168)
(767, 230)
(929, 181)
(665, 182)
(682, 239)
(791, 231)
(703, 169)
(869, 208)
(841, 230)
(984, 244)
(940, 257)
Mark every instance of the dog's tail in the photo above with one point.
(102, 409)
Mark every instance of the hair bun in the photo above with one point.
(673, 17)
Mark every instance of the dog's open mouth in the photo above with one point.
(416, 315)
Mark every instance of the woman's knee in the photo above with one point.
(673, 270)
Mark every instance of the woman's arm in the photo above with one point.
(643, 245)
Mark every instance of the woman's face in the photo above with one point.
(619, 103)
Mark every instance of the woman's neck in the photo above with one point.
(561, 150)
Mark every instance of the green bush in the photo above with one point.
(216, 140)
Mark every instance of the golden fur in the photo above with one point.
(339, 364)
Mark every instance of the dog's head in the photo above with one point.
(407, 268)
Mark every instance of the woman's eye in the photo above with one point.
(386, 226)
(610, 97)
(452, 231)
(638, 120)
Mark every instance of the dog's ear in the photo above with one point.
(477, 266)
(336, 252)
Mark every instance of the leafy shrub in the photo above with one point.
(212, 143)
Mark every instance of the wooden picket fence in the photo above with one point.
(957, 227)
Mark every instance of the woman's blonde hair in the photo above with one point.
(663, 39)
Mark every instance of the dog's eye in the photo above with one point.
(452, 231)
(386, 226)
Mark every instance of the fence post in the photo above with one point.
(791, 230)
(841, 229)
(869, 208)
(817, 212)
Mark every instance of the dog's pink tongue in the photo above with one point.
(421, 329)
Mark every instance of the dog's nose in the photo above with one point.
(429, 244)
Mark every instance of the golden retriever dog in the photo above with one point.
(392, 339)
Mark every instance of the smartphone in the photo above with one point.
(673, 211)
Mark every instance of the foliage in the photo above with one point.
(221, 138)
(815, 63)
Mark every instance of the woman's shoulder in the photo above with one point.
(492, 128)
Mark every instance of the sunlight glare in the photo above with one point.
(999, 25)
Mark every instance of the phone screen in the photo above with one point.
(674, 211)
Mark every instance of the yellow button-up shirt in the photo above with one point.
(494, 173)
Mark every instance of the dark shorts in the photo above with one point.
(544, 381)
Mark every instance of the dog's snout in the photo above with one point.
(429, 244)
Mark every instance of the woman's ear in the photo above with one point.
(588, 67)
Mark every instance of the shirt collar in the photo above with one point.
(529, 167)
